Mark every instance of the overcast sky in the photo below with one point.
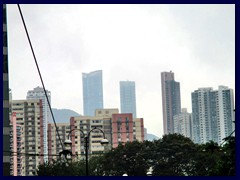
(128, 42)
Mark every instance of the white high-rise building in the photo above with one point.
(212, 114)
(225, 109)
(38, 93)
(182, 123)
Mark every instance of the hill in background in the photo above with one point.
(151, 137)
(63, 115)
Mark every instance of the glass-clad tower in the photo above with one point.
(92, 92)
(128, 97)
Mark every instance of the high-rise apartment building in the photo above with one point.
(15, 147)
(201, 115)
(118, 128)
(6, 126)
(225, 108)
(92, 92)
(128, 97)
(138, 129)
(29, 115)
(212, 114)
(86, 124)
(183, 124)
(54, 144)
(171, 100)
(38, 93)
(122, 128)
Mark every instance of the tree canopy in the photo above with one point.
(173, 155)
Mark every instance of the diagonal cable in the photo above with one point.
(35, 59)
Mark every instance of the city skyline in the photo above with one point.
(196, 42)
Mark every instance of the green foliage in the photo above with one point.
(173, 155)
(60, 168)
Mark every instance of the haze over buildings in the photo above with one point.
(196, 42)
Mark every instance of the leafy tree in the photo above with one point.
(173, 155)
(226, 164)
(59, 168)
(128, 158)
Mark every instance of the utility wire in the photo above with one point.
(28, 154)
(35, 59)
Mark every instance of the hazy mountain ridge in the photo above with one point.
(63, 115)
(151, 137)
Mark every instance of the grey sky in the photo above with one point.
(128, 42)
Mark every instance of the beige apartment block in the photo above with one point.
(29, 117)
(138, 129)
(86, 124)
(54, 144)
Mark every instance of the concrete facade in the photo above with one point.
(171, 100)
(38, 93)
(212, 114)
(183, 123)
(29, 116)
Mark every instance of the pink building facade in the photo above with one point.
(122, 129)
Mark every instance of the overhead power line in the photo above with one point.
(35, 59)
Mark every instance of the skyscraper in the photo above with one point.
(92, 92)
(225, 107)
(201, 117)
(38, 93)
(171, 100)
(128, 97)
(212, 114)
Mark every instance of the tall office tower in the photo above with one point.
(29, 115)
(6, 126)
(182, 123)
(54, 144)
(171, 100)
(212, 114)
(38, 93)
(92, 92)
(128, 97)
